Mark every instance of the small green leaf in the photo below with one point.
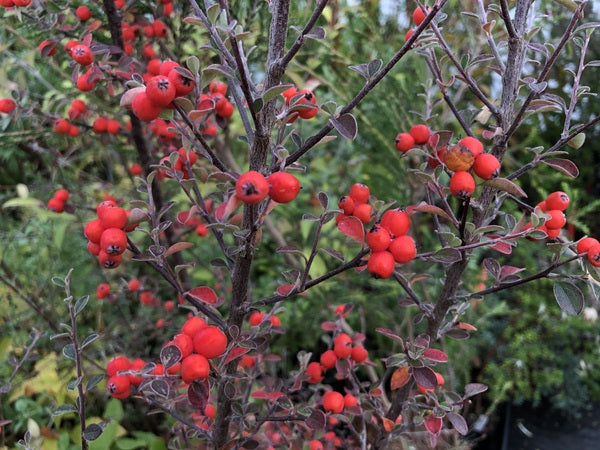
(64, 409)
(81, 303)
(569, 297)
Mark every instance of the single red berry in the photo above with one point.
(252, 187)
(160, 91)
(486, 166)
(184, 343)
(360, 193)
(333, 402)
(183, 81)
(93, 248)
(154, 66)
(403, 249)
(350, 401)
(113, 217)
(210, 342)
(133, 284)
(404, 142)
(283, 187)
(396, 222)
(256, 318)
(79, 105)
(378, 238)
(83, 13)
(194, 367)
(56, 205)
(314, 372)
(420, 133)
(113, 241)
(160, 29)
(472, 144)
(224, 109)
(136, 365)
(594, 255)
(73, 131)
(201, 230)
(146, 298)
(135, 169)
(342, 345)
(381, 264)
(316, 445)
(169, 305)
(113, 126)
(247, 361)
(82, 55)
(585, 244)
(109, 261)
(462, 184)
(116, 365)
(557, 200)
(104, 204)
(275, 321)
(359, 354)
(419, 15)
(119, 386)
(61, 126)
(363, 212)
(409, 34)
(100, 125)
(553, 232)
(557, 219)
(144, 109)
(193, 325)
(307, 98)
(102, 290)
(217, 87)
(346, 204)
(167, 66)
(83, 82)
(93, 231)
(328, 359)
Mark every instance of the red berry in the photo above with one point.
(82, 55)
(61, 126)
(472, 144)
(328, 359)
(307, 98)
(404, 142)
(144, 109)
(93, 231)
(184, 343)
(56, 205)
(350, 401)
(363, 212)
(342, 346)
(133, 284)
(113, 241)
(135, 169)
(160, 91)
(73, 131)
(557, 219)
(100, 125)
(154, 66)
(137, 365)
(420, 133)
(210, 342)
(112, 217)
(224, 109)
(378, 238)
(194, 367)
(557, 200)
(116, 365)
(333, 402)
(359, 354)
(217, 87)
(403, 249)
(146, 298)
(160, 29)
(408, 34)
(109, 261)
(419, 15)
(119, 386)
(93, 248)
(252, 187)
(462, 184)
(184, 84)
(79, 105)
(283, 187)
(346, 204)
(381, 264)
(256, 318)
(486, 166)
(594, 255)
(360, 193)
(102, 290)
(201, 230)
(83, 82)
(247, 361)
(113, 126)
(585, 244)
(83, 13)
(396, 222)
(314, 372)
(166, 66)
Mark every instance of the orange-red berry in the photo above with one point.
(314, 372)
(359, 354)
(333, 402)
(113, 241)
(420, 133)
(586, 243)
(116, 365)
(283, 187)
(404, 142)
(193, 325)
(378, 238)
(210, 342)
(462, 184)
(194, 367)
(102, 290)
(557, 200)
(252, 187)
(328, 359)
(381, 264)
(403, 249)
(557, 219)
(360, 192)
(396, 222)
(342, 345)
(472, 144)
(119, 386)
(486, 166)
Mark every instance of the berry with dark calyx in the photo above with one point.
(252, 187)
(117, 364)
(378, 238)
(462, 184)
(113, 241)
(104, 204)
(102, 290)
(472, 144)
(194, 367)
(109, 261)
(404, 142)
(557, 200)
(593, 255)
(82, 55)
(396, 222)
(458, 158)
(160, 91)
(420, 133)
(160, 29)
(486, 166)
(333, 402)
(403, 249)
(585, 244)
(210, 342)
(283, 187)
(119, 386)
(381, 264)
(346, 204)
(144, 109)
(183, 80)
(342, 346)
(307, 98)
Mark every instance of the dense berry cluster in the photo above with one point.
(355, 204)
(58, 200)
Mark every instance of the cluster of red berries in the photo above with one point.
(63, 126)
(252, 187)
(106, 234)
(7, 105)
(106, 125)
(180, 165)
(294, 97)
(217, 96)
(389, 243)
(197, 342)
(355, 204)
(170, 82)
(58, 200)
(592, 247)
(257, 317)
(418, 18)
(191, 220)
(418, 135)
(554, 205)
(13, 3)
(160, 129)
(77, 108)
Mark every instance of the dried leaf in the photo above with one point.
(400, 377)
(563, 165)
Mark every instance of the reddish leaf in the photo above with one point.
(390, 334)
(316, 420)
(507, 271)
(198, 392)
(260, 394)
(430, 209)
(204, 294)
(388, 425)
(236, 352)
(285, 289)
(563, 165)
(433, 424)
(177, 247)
(425, 377)
(501, 247)
(466, 326)
(400, 377)
(376, 392)
(352, 227)
(328, 326)
(433, 354)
